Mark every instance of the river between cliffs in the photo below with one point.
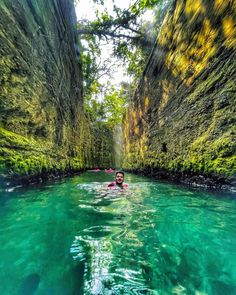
(78, 237)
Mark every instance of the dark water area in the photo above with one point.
(78, 237)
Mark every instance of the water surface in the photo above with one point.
(78, 237)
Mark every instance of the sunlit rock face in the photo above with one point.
(181, 121)
(42, 125)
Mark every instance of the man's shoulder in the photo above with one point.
(111, 184)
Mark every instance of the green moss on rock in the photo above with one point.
(181, 119)
(43, 129)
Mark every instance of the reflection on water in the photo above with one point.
(79, 237)
(158, 239)
(100, 243)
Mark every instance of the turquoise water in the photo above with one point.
(78, 237)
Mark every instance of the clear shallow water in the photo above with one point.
(77, 237)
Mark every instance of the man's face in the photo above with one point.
(119, 178)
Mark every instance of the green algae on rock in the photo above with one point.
(43, 129)
(181, 121)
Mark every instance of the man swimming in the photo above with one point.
(119, 180)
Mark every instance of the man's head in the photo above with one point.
(120, 175)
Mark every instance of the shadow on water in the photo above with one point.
(29, 284)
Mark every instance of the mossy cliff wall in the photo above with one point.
(181, 121)
(43, 129)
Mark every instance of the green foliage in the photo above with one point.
(105, 115)
(131, 36)
(110, 108)
(114, 104)
(132, 39)
(103, 156)
(95, 110)
(142, 5)
(130, 44)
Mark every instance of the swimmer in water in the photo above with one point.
(109, 170)
(119, 181)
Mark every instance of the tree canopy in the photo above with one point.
(123, 26)
(131, 37)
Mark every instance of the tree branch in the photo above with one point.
(87, 31)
